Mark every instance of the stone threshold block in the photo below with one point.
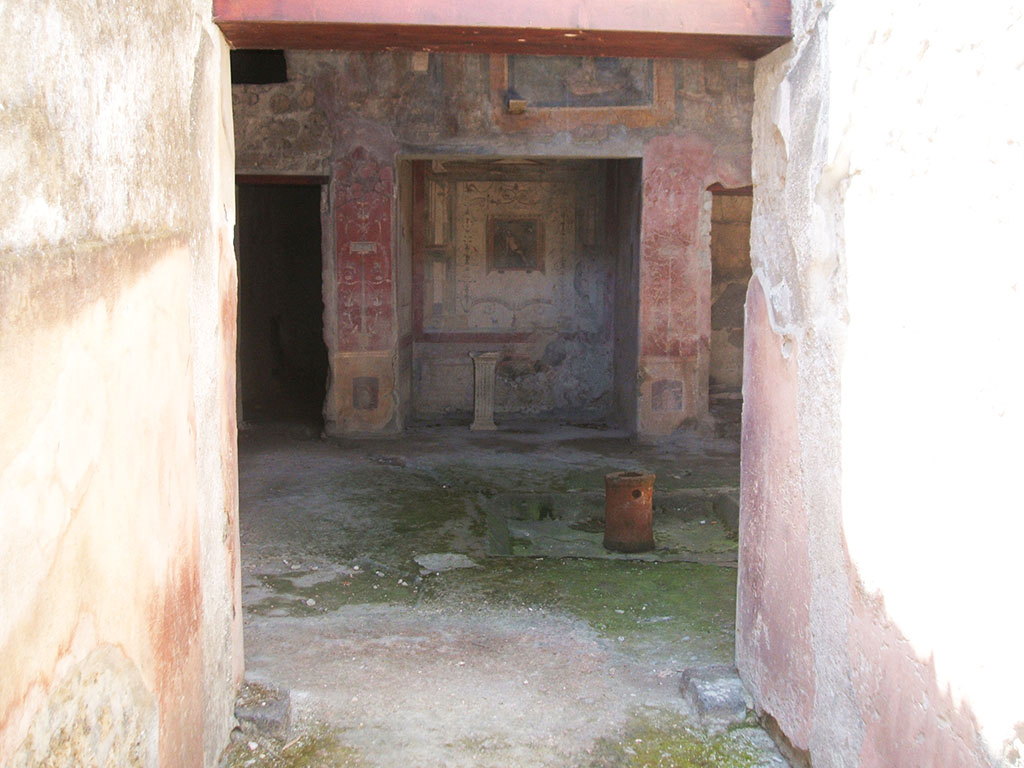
(264, 708)
(716, 695)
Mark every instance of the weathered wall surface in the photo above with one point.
(887, 245)
(352, 116)
(119, 636)
(513, 258)
(730, 273)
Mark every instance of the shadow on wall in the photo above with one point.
(909, 718)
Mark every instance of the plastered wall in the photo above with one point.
(881, 522)
(120, 635)
(353, 116)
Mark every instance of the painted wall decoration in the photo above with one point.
(365, 393)
(512, 257)
(625, 93)
(667, 395)
(688, 120)
(578, 81)
(363, 190)
(507, 267)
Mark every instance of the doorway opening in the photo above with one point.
(442, 596)
(282, 358)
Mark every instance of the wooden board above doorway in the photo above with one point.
(729, 29)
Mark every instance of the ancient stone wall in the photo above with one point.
(120, 633)
(353, 116)
(880, 518)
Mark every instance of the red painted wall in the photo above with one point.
(362, 189)
(773, 640)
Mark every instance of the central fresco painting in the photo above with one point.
(513, 248)
(515, 244)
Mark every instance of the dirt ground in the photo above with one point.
(507, 661)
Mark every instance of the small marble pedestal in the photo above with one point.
(484, 364)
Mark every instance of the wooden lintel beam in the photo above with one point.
(745, 29)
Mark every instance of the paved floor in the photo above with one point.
(393, 656)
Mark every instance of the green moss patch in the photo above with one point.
(683, 608)
(660, 739)
(316, 746)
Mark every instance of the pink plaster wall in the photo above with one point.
(675, 318)
(675, 277)
(120, 620)
(362, 191)
(104, 536)
(773, 627)
(361, 327)
(909, 717)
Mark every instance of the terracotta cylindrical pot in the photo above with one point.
(628, 516)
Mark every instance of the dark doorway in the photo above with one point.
(281, 351)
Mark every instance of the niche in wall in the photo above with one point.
(523, 257)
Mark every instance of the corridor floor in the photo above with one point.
(394, 657)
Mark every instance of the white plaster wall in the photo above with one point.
(886, 232)
(926, 126)
(213, 315)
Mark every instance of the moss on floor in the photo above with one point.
(325, 527)
(684, 607)
(358, 589)
(658, 739)
(706, 535)
(316, 746)
(372, 509)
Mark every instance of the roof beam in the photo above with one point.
(736, 29)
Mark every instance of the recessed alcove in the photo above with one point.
(535, 259)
